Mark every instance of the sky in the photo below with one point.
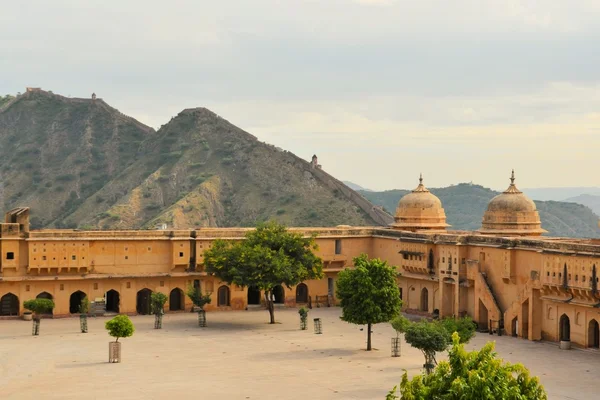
(380, 90)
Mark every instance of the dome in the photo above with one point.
(420, 210)
(511, 213)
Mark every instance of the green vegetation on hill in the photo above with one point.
(465, 204)
(81, 163)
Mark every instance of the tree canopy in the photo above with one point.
(157, 303)
(476, 375)
(430, 338)
(400, 324)
(196, 296)
(39, 306)
(368, 293)
(465, 327)
(269, 256)
(120, 327)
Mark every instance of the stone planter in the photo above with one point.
(83, 323)
(395, 347)
(114, 352)
(202, 318)
(27, 316)
(565, 345)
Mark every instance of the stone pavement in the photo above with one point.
(240, 356)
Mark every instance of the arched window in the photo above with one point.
(143, 301)
(565, 328)
(113, 301)
(9, 304)
(223, 296)
(424, 300)
(75, 301)
(302, 293)
(176, 300)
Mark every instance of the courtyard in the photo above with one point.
(240, 356)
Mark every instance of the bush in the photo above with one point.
(430, 338)
(157, 303)
(465, 327)
(120, 327)
(472, 375)
(196, 296)
(84, 307)
(400, 324)
(39, 306)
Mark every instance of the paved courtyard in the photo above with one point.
(240, 356)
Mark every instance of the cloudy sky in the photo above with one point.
(380, 90)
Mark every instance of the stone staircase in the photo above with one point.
(488, 299)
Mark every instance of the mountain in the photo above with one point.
(588, 200)
(81, 163)
(354, 186)
(465, 204)
(559, 193)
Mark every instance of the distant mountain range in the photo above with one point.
(80, 163)
(589, 200)
(465, 204)
(560, 193)
(354, 186)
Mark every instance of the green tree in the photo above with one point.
(196, 296)
(400, 324)
(430, 338)
(120, 327)
(368, 293)
(157, 303)
(476, 375)
(269, 256)
(38, 307)
(465, 327)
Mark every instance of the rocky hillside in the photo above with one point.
(81, 163)
(465, 204)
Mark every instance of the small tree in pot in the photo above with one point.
(38, 307)
(157, 304)
(303, 316)
(199, 300)
(400, 325)
(118, 327)
(84, 309)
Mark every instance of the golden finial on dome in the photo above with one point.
(512, 188)
(421, 178)
(512, 177)
(421, 187)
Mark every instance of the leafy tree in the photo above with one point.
(430, 338)
(84, 307)
(38, 307)
(157, 303)
(120, 327)
(269, 256)
(400, 324)
(368, 293)
(476, 375)
(196, 296)
(465, 327)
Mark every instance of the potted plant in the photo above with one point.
(38, 307)
(157, 306)
(84, 309)
(400, 325)
(27, 316)
(303, 316)
(199, 300)
(118, 327)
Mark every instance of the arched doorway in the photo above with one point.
(565, 328)
(75, 301)
(424, 300)
(253, 295)
(113, 300)
(483, 323)
(223, 296)
(514, 327)
(143, 301)
(9, 305)
(45, 295)
(278, 293)
(593, 334)
(176, 301)
(302, 293)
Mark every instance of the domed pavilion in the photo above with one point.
(420, 211)
(511, 213)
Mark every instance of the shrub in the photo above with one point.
(400, 324)
(120, 327)
(465, 327)
(39, 306)
(157, 302)
(196, 296)
(84, 307)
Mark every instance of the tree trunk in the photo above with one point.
(369, 337)
(270, 306)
